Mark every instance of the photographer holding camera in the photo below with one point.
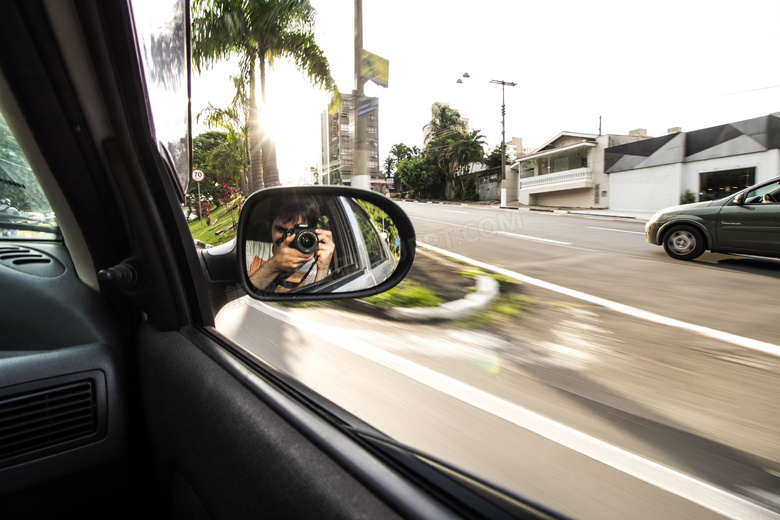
(298, 254)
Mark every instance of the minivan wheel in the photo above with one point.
(684, 243)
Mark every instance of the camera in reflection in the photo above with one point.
(305, 240)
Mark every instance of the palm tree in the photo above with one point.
(401, 152)
(259, 32)
(469, 149)
(445, 123)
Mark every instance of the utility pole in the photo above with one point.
(359, 162)
(503, 125)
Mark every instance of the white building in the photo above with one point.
(567, 171)
(712, 163)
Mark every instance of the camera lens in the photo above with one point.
(306, 241)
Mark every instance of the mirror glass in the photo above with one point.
(310, 243)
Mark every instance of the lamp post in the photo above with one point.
(502, 175)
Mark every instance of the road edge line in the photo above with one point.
(740, 341)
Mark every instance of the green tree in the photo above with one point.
(423, 177)
(389, 166)
(259, 32)
(232, 157)
(398, 152)
(445, 123)
(401, 152)
(443, 133)
(211, 189)
(468, 149)
(493, 159)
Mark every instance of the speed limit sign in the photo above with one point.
(198, 175)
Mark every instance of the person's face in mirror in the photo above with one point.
(279, 231)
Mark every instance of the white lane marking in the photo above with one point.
(526, 237)
(715, 499)
(504, 233)
(452, 211)
(753, 344)
(617, 230)
(611, 219)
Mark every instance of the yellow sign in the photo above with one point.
(374, 68)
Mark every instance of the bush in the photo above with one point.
(687, 197)
(470, 193)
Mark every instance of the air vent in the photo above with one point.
(30, 261)
(41, 421)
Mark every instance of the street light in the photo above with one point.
(503, 84)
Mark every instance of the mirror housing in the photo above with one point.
(363, 262)
(739, 200)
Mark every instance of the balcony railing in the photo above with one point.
(565, 180)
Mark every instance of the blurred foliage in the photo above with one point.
(384, 224)
(17, 180)
(687, 197)
(406, 294)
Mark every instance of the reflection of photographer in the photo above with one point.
(298, 253)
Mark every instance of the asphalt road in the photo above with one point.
(609, 414)
(609, 258)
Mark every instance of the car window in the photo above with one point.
(370, 234)
(757, 196)
(565, 288)
(161, 29)
(25, 213)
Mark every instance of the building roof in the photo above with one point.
(565, 133)
(553, 151)
(742, 137)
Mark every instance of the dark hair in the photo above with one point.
(290, 208)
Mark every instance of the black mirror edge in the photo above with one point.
(220, 263)
(393, 210)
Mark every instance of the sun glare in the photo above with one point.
(291, 116)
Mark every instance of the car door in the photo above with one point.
(752, 226)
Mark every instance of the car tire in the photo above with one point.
(684, 243)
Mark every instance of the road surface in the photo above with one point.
(603, 414)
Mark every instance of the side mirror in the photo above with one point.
(739, 200)
(315, 243)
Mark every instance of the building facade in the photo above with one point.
(567, 171)
(712, 163)
(339, 141)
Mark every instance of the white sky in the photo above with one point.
(652, 65)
